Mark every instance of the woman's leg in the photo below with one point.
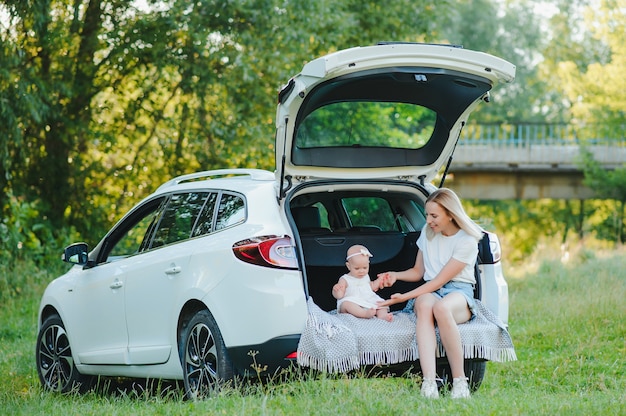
(425, 335)
(449, 312)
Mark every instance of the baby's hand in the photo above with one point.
(388, 279)
(378, 284)
(339, 290)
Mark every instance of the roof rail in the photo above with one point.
(255, 174)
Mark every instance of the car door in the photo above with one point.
(98, 309)
(155, 288)
(97, 316)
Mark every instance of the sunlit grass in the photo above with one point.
(566, 320)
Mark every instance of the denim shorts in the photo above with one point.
(466, 289)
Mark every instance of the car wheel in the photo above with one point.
(55, 364)
(203, 355)
(474, 370)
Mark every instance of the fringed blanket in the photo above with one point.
(341, 342)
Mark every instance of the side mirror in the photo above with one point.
(76, 253)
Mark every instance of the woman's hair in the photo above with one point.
(449, 201)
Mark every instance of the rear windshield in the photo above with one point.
(367, 124)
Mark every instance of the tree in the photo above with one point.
(102, 100)
(513, 31)
(596, 87)
(607, 184)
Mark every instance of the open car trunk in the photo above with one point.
(325, 260)
(327, 229)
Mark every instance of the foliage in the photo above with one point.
(27, 237)
(360, 123)
(104, 100)
(511, 30)
(523, 226)
(595, 86)
(605, 183)
(610, 184)
(101, 101)
(589, 71)
(23, 230)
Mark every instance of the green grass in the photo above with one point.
(567, 323)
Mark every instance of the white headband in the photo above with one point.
(363, 251)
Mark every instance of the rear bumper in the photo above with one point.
(267, 358)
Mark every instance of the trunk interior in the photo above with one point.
(330, 223)
(325, 260)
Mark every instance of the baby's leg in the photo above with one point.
(384, 314)
(356, 310)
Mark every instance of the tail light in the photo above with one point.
(267, 251)
(496, 249)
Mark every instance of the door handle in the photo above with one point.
(173, 270)
(117, 284)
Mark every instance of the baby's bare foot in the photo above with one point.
(385, 316)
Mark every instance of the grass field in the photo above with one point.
(568, 323)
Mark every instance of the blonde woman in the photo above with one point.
(448, 247)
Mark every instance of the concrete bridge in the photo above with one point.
(529, 161)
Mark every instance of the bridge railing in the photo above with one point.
(524, 134)
(536, 146)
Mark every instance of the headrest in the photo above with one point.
(307, 217)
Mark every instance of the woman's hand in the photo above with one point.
(395, 298)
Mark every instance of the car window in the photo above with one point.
(323, 215)
(178, 218)
(204, 224)
(360, 123)
(133, 235)
(374, 213)
(410, 216)
(231, 211)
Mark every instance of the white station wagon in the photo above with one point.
(210, 275)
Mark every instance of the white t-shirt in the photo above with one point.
(438, 251)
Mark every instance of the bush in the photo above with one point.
(27, 242)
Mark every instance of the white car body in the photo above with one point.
(137, 314)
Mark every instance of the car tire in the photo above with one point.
(55, 364)
(203, 356)
(474, 370)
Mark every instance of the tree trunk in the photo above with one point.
(69, 131)
(581, 219)
(620, 223)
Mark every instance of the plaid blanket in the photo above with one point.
(341, 342)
